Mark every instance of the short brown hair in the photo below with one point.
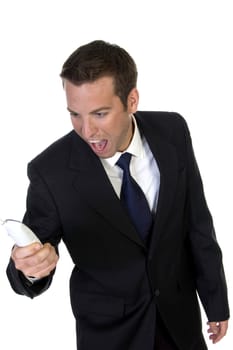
(98, 59)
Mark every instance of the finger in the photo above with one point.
(45, 255)
(213, 330)
(23, 252)
(43, 269)
(218, 330)
(40, 271)
(213, 327)
(35, 253)
(222, 331)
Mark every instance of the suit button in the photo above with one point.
(156, 293)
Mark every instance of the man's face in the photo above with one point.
(99, 117)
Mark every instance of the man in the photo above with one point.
(128, 291)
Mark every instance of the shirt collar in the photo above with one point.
(135, 147)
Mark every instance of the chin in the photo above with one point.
(107, 154)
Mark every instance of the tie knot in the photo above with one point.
(124, 160)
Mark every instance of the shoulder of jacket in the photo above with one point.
(160, 116)
(55, 151)
(163, 122)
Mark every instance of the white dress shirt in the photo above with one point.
(143, 168)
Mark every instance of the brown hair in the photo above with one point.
(98, 59)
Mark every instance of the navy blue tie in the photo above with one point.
(134, 199)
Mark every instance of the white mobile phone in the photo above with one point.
(19, 232)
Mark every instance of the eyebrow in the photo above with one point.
(70, 110)
(104, 108)
(92, 112)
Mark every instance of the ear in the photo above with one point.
(132, 101)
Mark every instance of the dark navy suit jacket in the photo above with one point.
(118, 281)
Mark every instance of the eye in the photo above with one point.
(74, 114)
(100, 114)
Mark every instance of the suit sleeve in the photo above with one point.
(207, 255)
(21, 285)
(42, 217)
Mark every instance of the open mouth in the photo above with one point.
(98, 146)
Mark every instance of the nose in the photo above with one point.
(88, 128)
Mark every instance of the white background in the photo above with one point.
(183, 50)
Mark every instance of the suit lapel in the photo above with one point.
(92, 183)
(167, 161)
(166, 158)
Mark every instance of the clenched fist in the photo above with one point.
(35, 260)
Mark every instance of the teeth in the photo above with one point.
(94, 141)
